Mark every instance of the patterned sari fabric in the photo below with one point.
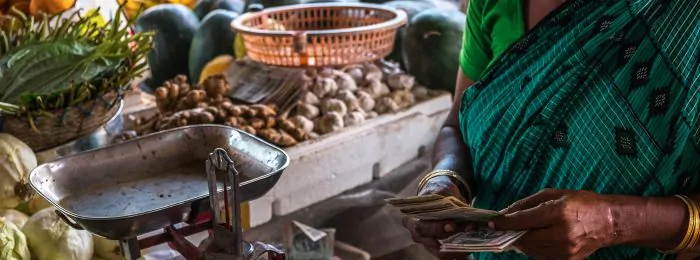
(602, 95)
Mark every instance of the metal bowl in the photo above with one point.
(101, 137)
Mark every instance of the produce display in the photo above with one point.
(347, 96)
(42, 235)
(50, 238)
(334, 98)
(204, 7)
(174, 26)
(13, 243)
(53, 66)
(134, 6)
(186, 40)
(16, 161)
(82, 55)
(213, 38)
(14, 216)
(36, 7)
(432, 44)
(181, 104)
(107, 249)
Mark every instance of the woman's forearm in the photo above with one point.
(450, 152)
(650, 222)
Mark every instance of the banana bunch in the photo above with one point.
(133, 6)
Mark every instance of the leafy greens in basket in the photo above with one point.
(52, 63)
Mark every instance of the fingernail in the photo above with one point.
(491, 225)
(449, 228)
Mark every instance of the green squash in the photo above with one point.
(412, 8)
(330, 1)
(214, 37)
(204, 7)
(431, 47)
(432, 2)
(174, 26)
(277, 3)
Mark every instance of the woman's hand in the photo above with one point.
(561, 224)
(427, 233)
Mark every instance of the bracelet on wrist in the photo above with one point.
(461, 182)
(692, 233)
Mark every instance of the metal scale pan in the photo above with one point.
(153, 182)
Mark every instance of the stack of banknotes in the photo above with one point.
(437, 207)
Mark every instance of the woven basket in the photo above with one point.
(68, 124)
(317, 35)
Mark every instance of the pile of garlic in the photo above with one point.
(338, 98)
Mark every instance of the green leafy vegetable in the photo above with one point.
(60, 61)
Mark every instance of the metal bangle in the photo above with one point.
(696, 230)
(692, 225)
(448, 173)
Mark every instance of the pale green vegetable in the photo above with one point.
(17, 160)
(36, 204)
(14, 216)
(13, 244)
(107, 249)
(50, 238)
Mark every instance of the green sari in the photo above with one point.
(602, 95)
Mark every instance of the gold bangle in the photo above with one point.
(427, 177)
(448, 173)
(693, 212)
(695, 236)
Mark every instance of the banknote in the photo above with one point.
(414, 199)
(435, 207)
(432, 207)
(483, 240)
(302, 242)
(458, 214)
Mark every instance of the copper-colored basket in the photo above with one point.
(315, 35)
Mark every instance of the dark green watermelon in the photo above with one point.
(412, 8)
(213, 38)
(386, 1)
(174, 26)
(204, 7)
(275, 3)
(330, 1)
(431, 47)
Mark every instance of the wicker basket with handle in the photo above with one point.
(64, 125)
(316, 35)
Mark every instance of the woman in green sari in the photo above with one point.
(580, 120)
